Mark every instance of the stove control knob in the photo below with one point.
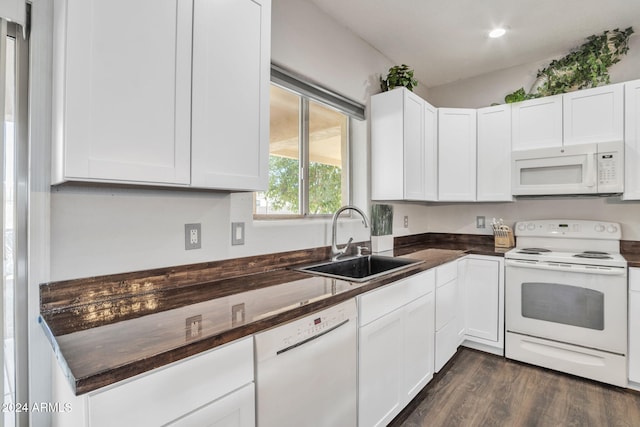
(599, 228)
(612, 229)
(522, 226)
(531, 226)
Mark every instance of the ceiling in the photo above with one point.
(445, 41)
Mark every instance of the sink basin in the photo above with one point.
(359, 269)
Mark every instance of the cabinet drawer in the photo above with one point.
(446, 303)
(379, 302)
(446, 273)
(634, 279)
(165, 394)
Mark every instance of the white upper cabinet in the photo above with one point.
(494, 154)
(403, 147)
(537, 123)
(430, 159)
(581, 117)
(122, 91)
(632, 141)
(456, 154)
(420, 149)
(231, 73)
(125, 88)
(413, 146)
(594, 115)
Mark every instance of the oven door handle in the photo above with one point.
(570, 268)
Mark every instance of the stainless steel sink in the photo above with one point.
(359, 269)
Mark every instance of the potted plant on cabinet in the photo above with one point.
(398, 76)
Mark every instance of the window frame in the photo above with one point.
(308, 92)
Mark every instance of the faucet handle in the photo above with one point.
(346, 247)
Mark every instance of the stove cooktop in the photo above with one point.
(597, 258)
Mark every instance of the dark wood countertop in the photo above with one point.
(107, 329)
(630, 250)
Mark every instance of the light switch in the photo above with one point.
(237, 233)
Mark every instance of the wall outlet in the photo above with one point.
(237, 314)
(237, 233)
(480, 222)
(192, 236)
(193, 327)
(406, 221)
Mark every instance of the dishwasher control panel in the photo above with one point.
(315, 325)
(300, 331)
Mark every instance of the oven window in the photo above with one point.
(567, 305)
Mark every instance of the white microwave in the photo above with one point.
(573, 169)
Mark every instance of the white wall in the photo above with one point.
(461, 217)
(104, 230)
(483, 90)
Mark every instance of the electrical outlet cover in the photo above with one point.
(192, 236)
(193, 327)
(237, 233)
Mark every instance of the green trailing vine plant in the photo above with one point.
(584, 67)
(398, 76)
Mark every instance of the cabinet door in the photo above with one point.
(446, 303)
(446, 344)
(380, 377)
(419, 334)
(387, 142)
(430, 152)
(594, 115)
(230, 117)
(123, 91)
(632, 141)
(482, 298)
(494, 154)
(537, 123)
(414, 149)
(234, 410)
(634, 325)
(456, 154)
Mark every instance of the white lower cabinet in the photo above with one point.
(216, 386)
(447, 318)
(234, 410)
(482, 300)
(634, 326)
(396, 339)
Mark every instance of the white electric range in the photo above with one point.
(566, 298)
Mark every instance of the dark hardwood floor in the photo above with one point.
(479, 389)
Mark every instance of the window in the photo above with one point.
(308, 157)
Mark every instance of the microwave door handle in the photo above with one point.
(591, 170)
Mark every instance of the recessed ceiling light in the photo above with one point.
(497, 32)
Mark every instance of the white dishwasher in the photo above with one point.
(306, 370)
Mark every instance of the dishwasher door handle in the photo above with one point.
(313, 338)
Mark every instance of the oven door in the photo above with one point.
(575, 304)
(568, 170)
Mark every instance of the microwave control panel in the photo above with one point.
(606, 168)
(610, 172)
